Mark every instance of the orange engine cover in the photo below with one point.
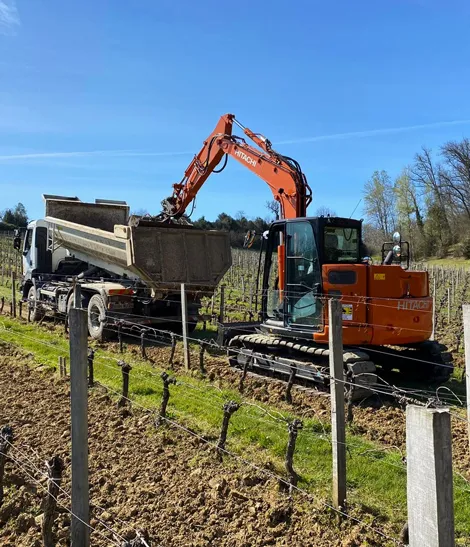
(382, 305)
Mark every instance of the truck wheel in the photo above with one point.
(97, 318)
(35, 309)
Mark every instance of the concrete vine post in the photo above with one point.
(448, 306)
(77, 294)
(429, 477)
(80, 531)
(184, 325)
(338, 426)
(55, 467)
(173, 349)
(119, 328)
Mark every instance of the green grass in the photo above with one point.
(6, 292)
(376, 477)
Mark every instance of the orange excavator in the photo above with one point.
(387, 309)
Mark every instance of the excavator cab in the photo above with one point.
(293, 278)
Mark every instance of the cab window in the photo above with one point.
(341, 245)
(28, 239)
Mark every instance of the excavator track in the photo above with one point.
(270, 356)
(266, 355)
(428, 361)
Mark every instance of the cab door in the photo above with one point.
(303, 277)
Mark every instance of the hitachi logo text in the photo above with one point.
(413, 305)
(243, 156)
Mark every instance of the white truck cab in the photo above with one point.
(37, 256)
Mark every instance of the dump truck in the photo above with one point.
(129, 268)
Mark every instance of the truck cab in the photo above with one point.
(36, 258)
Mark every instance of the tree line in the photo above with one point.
(237, 227)
(428, 203)
(13, 218)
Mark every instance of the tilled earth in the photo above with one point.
(166, 482)
(380, 419)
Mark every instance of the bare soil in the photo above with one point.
(164, 482)
(381, 419)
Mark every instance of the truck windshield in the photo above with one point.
(341, 244)
(27, 240)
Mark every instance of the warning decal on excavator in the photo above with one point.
(379, 277)
(347, 312)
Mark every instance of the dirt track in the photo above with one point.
(166, 483)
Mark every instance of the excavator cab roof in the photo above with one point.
(338, 239)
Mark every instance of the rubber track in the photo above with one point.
(359, 369)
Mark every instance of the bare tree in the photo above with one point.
(140, 212)
(428, 176)
(409, 208)
(273, 206)
(324, 211)
(456, 178)
(379, 202)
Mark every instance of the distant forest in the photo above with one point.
(240, 225)
(429, 203)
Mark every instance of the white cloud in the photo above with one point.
(9, 18)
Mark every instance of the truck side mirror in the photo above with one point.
(17, 243)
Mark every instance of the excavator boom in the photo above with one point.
(282, 174)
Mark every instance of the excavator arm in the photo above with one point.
(281, 173)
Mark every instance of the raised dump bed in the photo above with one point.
(161, 255)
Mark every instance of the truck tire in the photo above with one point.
(97, 318)
(35, 310)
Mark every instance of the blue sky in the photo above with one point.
(110, 98)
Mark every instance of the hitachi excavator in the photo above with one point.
(387, 309)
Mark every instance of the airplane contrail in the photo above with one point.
(86, 154)
(373, 132)
(318, 138)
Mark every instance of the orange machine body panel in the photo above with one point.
(382, 305)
